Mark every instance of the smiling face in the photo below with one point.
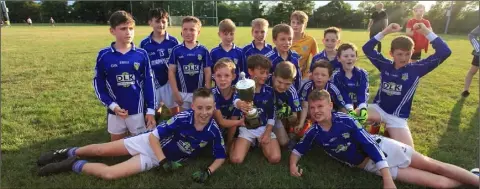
(320, 110)
(283, 42)
(190, 31)
(224, 77)
(347, 57)
(124, 32)
(203, 108)
(259, 33)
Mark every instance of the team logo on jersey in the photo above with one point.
(340, 98)
(340, 148)
(171, 120)
(191, 69)
(235, 60)
(305, 48)
(126, 79)
(113, 65)
(203, 144)
(136, 65)
(391, 88)
(170, 51)
(296, 102)
(264, 101)
(404, 76)
(346, 135)
(199, 57)
(230, 108)
(185, 147)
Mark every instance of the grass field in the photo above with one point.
(48, 102)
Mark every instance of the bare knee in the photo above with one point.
(283, 142)
(236, 159)
(274, 159)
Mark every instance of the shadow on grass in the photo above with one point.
(457, 145)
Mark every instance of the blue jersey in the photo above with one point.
(335, 93)
(336, 65)
(287, 100)
(158, 54)
(190, 64)
(346, 141)
(354, 90)
(250, 50)
(235, 54)
(125, 80)
(293, 57)
(264, 102)
(397, 86)
(225, 105)
(180, 140)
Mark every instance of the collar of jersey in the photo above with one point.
(150, 37)
(115, 50)
(220, 46)
(264, 44)
(198, 44)
(289, 52)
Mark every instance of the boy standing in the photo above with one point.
(189, 64)
(345, 140)
(473, 37)
(331, 38)
(303, 44)
(282, 38)
(173, 141)
(123, 81)
(159, 45)
(226, 32)
(258, 45)
(400, 78)
(420, 41)
(258, 66)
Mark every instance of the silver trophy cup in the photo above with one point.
(246, 92)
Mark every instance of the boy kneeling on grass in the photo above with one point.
(344, 139)
(181, 137)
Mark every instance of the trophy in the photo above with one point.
(246, 92)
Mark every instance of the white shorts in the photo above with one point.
(252, 134)
(139, 145)
(390, 120)
(135, 124)
(164, 94)
(187, 100)
(398, 155)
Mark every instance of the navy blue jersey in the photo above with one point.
(125, 80)
(190, 64)
(293, 57)
(335, 93)
(346, 141)
(180, 140)
(354, 90)
(397, 86)
(264, 102)
(235, 54)
(288, 99)
(225, 105)
(323, 55)
(159, 54)
(250, 50)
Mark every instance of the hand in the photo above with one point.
(244, 106)
(121, 112)
(420, 27)
(352, 113)
(362, 118)
(201, 176)
(392, 28)
(150, 121)
(178, 99)
(169, 166)
(296, 171)
(241, 122)
(298, 128)
(266, 137)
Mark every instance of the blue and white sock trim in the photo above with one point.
(78, 166)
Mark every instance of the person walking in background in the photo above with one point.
(29, 21)
(378, 22)
(52, 22)
(473, 37)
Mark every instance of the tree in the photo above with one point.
(256, 9)
(335, 13)
(306, 6)
(19, 11)
(56, 9)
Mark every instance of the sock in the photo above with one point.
(71, 151)
(78, 166)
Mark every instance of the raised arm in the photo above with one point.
(375, 57)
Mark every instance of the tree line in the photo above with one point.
(464, 14)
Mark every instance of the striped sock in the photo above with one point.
(71, 151)
(78, 166)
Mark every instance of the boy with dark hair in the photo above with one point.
(258, 67)
(352, 82)
(282, 35)
(331, 38)
(400, 78)
(159, 45)
(189, 64)
(173, 141)
(345, 140)
(226, 32)
(123, 81)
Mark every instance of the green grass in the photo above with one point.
(48, 102)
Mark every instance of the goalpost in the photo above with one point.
(206, 20)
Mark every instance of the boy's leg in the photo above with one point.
(116, 126)
(398, 130)
(272, 151)
(114, 148)
(167, 98)
(374, 118)
(468, 78)
(424, 178)
(241, 146)
(130, 167)
(280, 132)
(450, 171)
(187, 101)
